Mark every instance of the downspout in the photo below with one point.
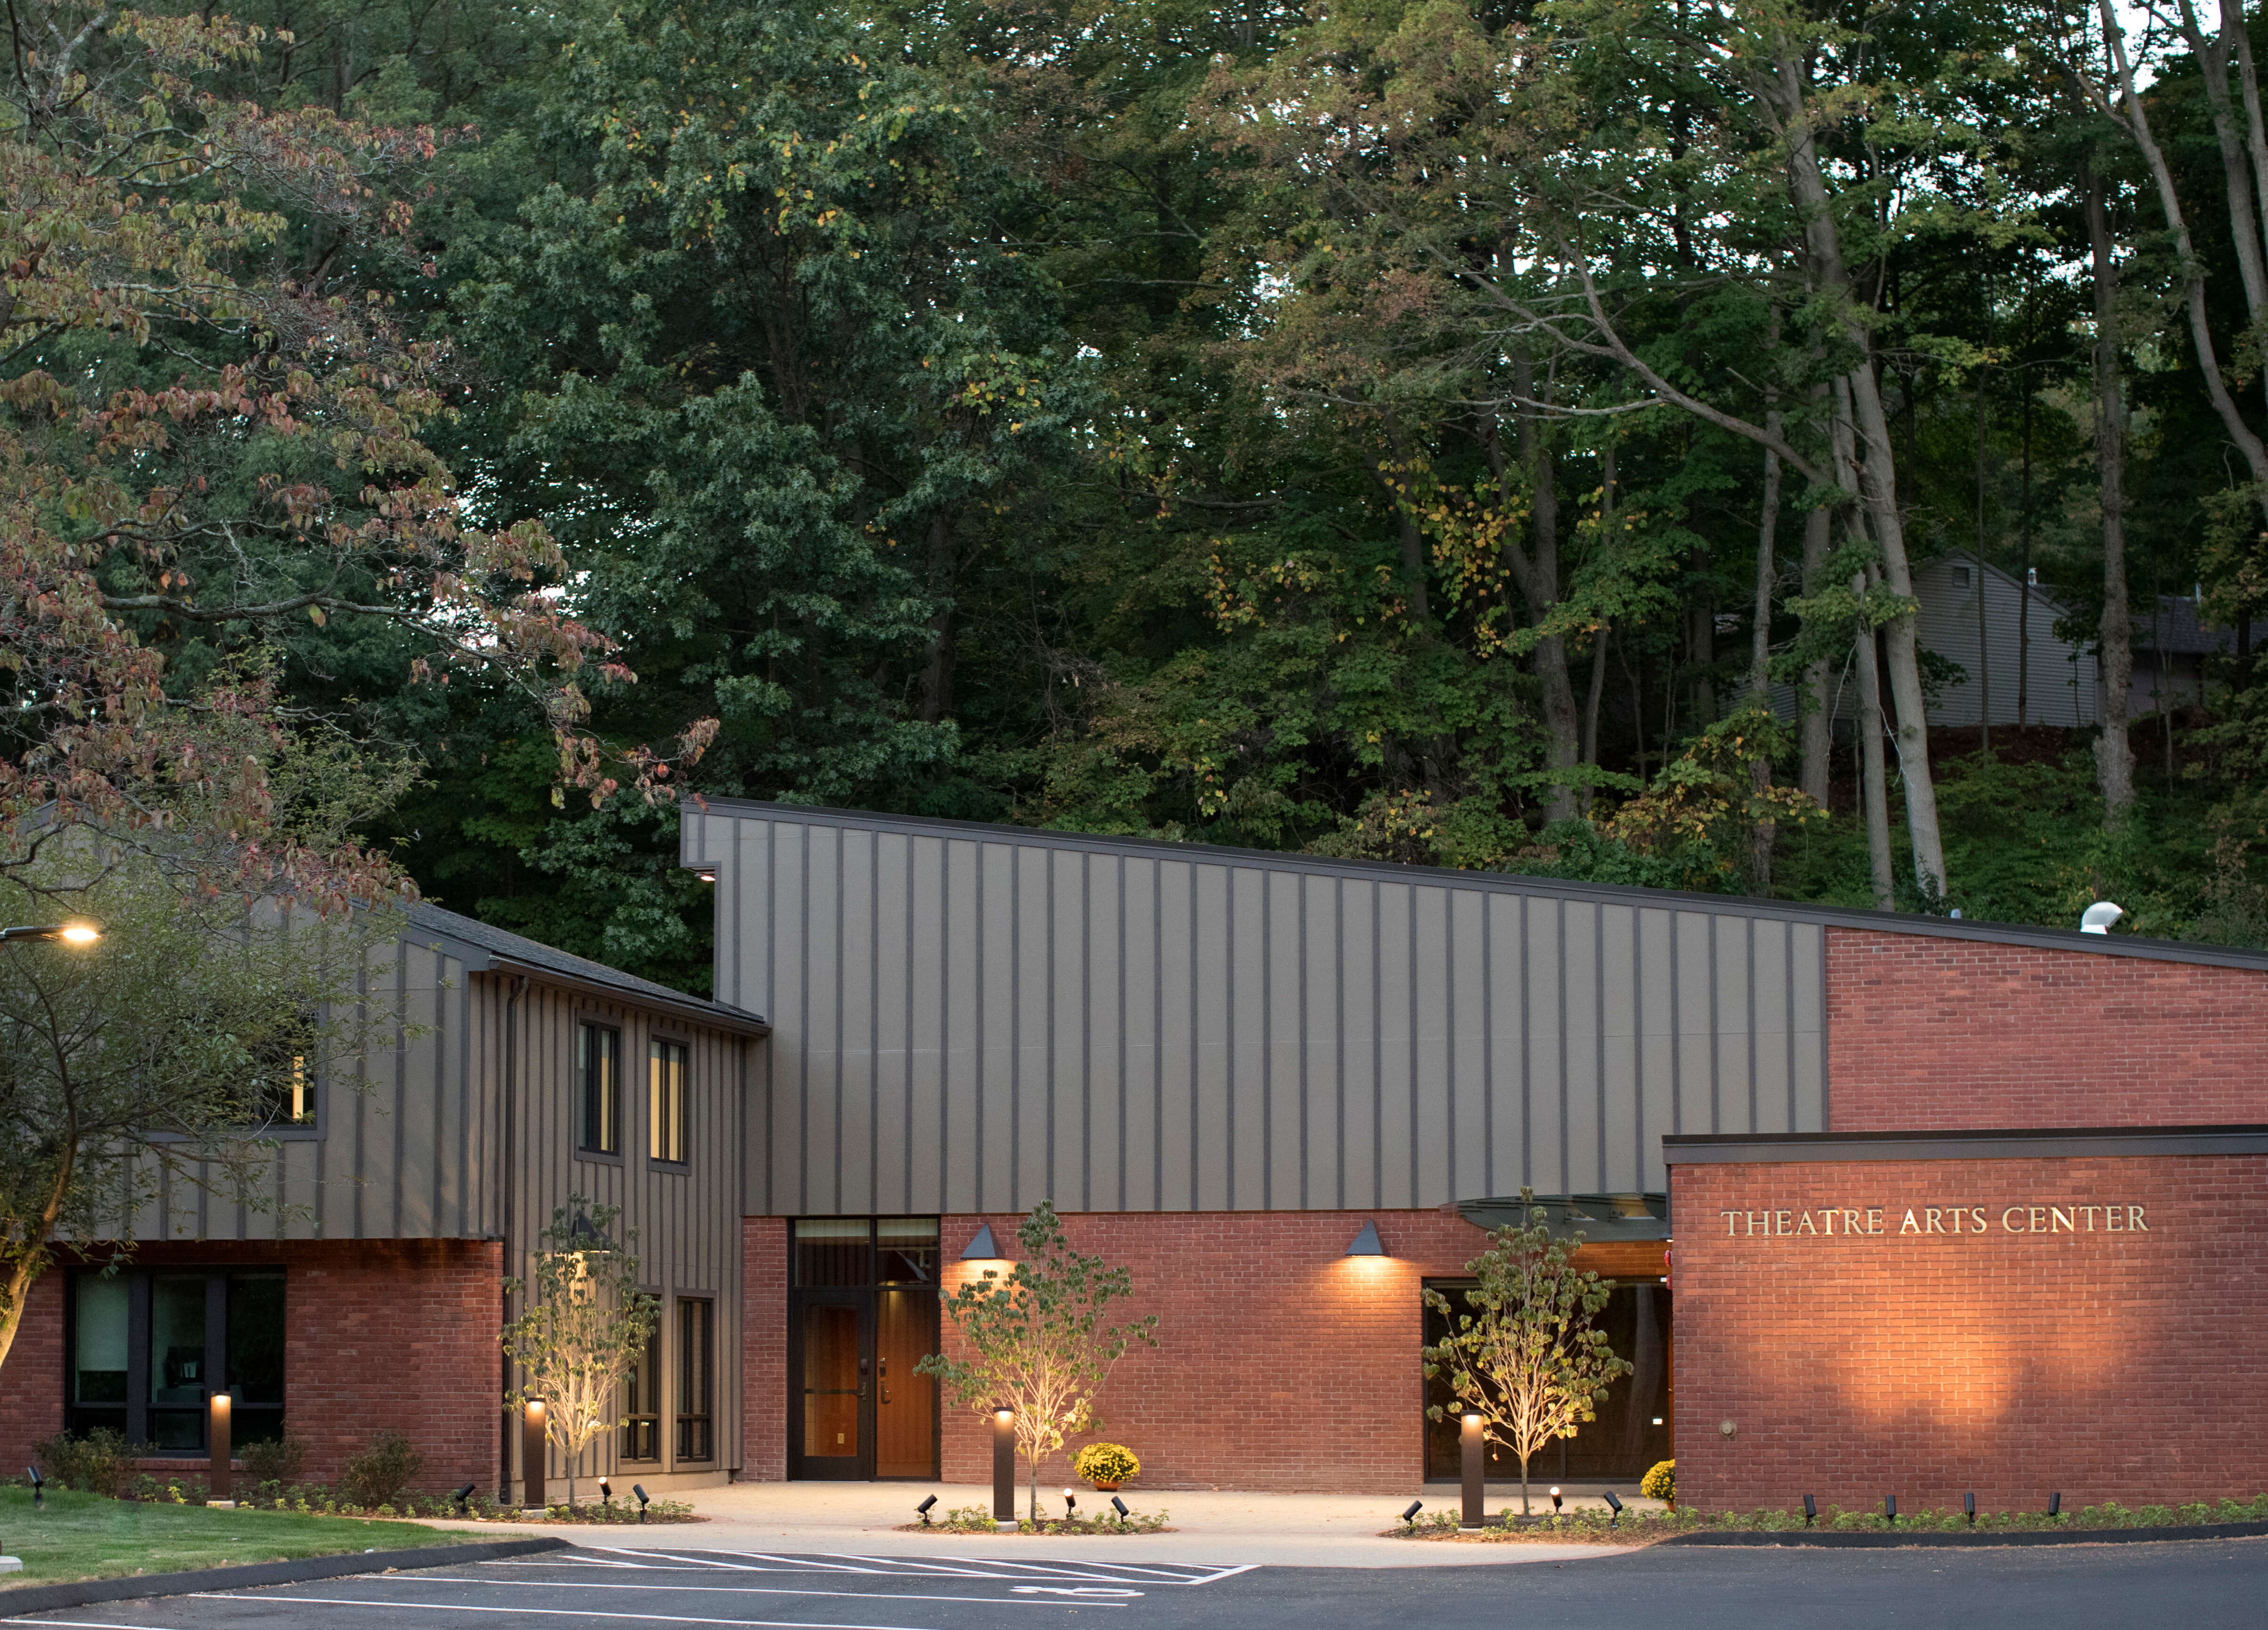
(511, 1150)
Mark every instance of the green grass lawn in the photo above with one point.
(85, 1537)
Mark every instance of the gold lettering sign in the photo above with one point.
(1966, 1220)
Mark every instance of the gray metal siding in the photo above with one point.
(970, 1022)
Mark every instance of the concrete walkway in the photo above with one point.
(1212, 1528)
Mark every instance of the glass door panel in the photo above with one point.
(905, 1404)
(177, 1361)
(834, 1374)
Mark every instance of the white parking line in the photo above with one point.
(594, 1584)
(461, 1607)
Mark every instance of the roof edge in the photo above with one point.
(1501, 882)
(2008, 1143)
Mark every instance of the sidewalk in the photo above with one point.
(1211, 1528)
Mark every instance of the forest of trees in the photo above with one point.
(438, 434)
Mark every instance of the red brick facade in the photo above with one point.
(380, 1334)
(1928, 1034)
(2035, 1350)
(764, 1349)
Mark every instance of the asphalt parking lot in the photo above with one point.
(2064, 1588)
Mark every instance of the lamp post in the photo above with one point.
(1004, 1468)
(219, 1489)
(1476, 1499)
(532, 1436)
(78, 934)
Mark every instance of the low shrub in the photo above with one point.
(100, 1463)
(978, 1520)
(274, 1459)
(378, 1475)
(1106, 1462)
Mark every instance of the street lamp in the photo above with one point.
(79, 934)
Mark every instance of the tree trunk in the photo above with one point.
(1536, 572)
(1873, 771)
(1591, 704)
(1877, 479)
(2236, 177)
(1764, 832)
(2114, 755)
(1817, 732)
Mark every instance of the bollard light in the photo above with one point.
(533, 1428)
(1614, 1505)
(218, 1489)
(1810, 1510)
(1004, 1469)
(1472, 1448)
(922, 1510)
(1969, 1504)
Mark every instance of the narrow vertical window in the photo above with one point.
(668, 1134)
(599, 1106)
(642, 1403)
(696, 1337)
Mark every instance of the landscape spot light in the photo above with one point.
(2054, 1505)
(1119, 1506)
(1614, 1505)
(1810, 1510)
(922, 1510)
(39, 1485)
(1410, 1515)
(464, 1498)
(1554, 1502)
(1366, 1242)
(1070, 1505)
(1890, 1507)
(1969, 1504)
(639, 1490)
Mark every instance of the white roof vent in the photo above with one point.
(2097, 918)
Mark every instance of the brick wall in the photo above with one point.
(1927, 1033)
(2012, 1362)
(763, 1362)
(380, 1334)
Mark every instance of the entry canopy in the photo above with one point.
(1597, 1217)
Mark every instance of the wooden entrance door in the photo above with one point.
(905, 1404)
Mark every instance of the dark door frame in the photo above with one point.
(866, 1298)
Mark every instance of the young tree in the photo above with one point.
(158, 1054)
(1527, 1357)
(1035, 1340)
(585, 1329)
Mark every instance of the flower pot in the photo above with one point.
(1107, 1489)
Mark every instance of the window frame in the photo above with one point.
(586, 1024)
(683, 1393)
(134, 1415)
(654, 1369)
(656, 1041)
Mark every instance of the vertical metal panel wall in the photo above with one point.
(686, 1218)
(971, 1019)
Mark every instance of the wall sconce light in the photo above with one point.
(1367, 1244)
(706, 877)
(983, 1247)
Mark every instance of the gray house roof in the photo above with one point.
(485, 946)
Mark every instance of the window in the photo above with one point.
(200, 1330)
(696, 1332)
(668, 1135)
(283, 1083)
(1961, 577)
(599, 1098)
(641, 1404)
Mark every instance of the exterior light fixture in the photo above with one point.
(1367, 1244)
(533, 1428)
(1471, 1448)
(39, 1485)
(606, 1493)
(1119, 1506)
(1554, 1502)
(983, 1247)
(1410, 1515)
(706, 877)
(1969, 1504)
(1613, 1506)
(1657, 1421)
(464, 1498)
(2054, 1505)
(1070, 1505)
(1003, 1470)
(639, 1490)
(922, 1510)
(1810, 1510)
(80, 934)
(218, 1489)
(2097, 918)
(1890, 1507)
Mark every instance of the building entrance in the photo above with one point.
(862, 1312)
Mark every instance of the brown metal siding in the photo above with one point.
(969, 1021)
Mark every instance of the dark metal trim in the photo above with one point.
(2013, 1144)
(1549, 888)
(1598, 1218)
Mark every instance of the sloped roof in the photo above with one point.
(2177, 632)
(492, 946)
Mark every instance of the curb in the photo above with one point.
(84, 1593)
(1883, 1540)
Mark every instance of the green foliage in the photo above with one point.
(1034, 1340)
(96, 1463)
(1525, 1357)
(376, 1475)
(1106, 1462)
(274, 1460)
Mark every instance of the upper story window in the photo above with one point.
(282, 1084)
(599, 1089)
(668, 1130)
